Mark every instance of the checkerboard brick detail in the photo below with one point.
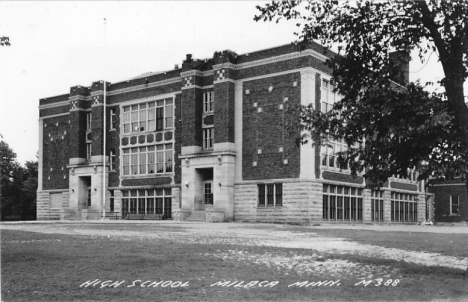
(221, 74)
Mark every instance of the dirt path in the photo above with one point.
(258, 235)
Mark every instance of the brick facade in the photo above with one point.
(445, 192)
(157, 157)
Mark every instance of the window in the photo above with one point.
(208, 196)
(377, 211)
(454, 203)
(328, 97)
(89, 197)
(154, 115)
(330, 154)
(89, 149)
(208, 102)
(404, 207)
(89, 119)
(270, 195)
(112, 160)
(113, 118)
(150, 201)
(148, 160)
(208, 138)
(342, 203)
(111, 201)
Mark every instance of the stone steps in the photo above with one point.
(199, 216)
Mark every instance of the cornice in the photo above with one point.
(79, 98)
(58, 104)
(145, 86)
(193, 72)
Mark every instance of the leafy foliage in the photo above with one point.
(402, 125)
(18, 186)
(4, 41)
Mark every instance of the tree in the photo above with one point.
(4, 41)
(18, 186)
(8, 169)
(401, 127)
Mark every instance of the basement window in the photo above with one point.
(270, 195)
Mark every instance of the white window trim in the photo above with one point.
(207, 139)
(164, 151)
(458, 205)
(112, 155)
(113, 115)
(275, 202)
(89, 121)
(147, 101)
(208, 100)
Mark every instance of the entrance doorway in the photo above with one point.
(84, 192)
(204, 196)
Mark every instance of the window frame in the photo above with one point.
(139, 201)
(403, 207)
(89, 151)
(342, 203)
(148, 116)
(377, 206)
(208, 140)
(112, 160)
(208, 102)
(269, 195)
(133, 165)
(113, 119)
(452, 205)
(89, 121)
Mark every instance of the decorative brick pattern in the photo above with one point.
(403, 186)
(188, 81)
(220, 74)
(96, 100)
(265, 130)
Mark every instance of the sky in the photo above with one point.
(59, 44)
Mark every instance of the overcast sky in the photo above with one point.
(56, 45)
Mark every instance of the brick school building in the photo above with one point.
(207, 142)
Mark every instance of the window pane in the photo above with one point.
(279, 194)
(261, 195)
(150, 162)
(159, 118)
(168, 161)
(160, 162)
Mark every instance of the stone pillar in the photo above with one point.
(307, 150)
(387, 195)
(223, 185)
(421, 204)
(238, 118)
(366, 205)
(40, 166)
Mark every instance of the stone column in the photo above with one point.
(308, 96)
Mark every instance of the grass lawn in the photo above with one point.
(446, 244)
(52, 267)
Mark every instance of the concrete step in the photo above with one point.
(199, 216)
